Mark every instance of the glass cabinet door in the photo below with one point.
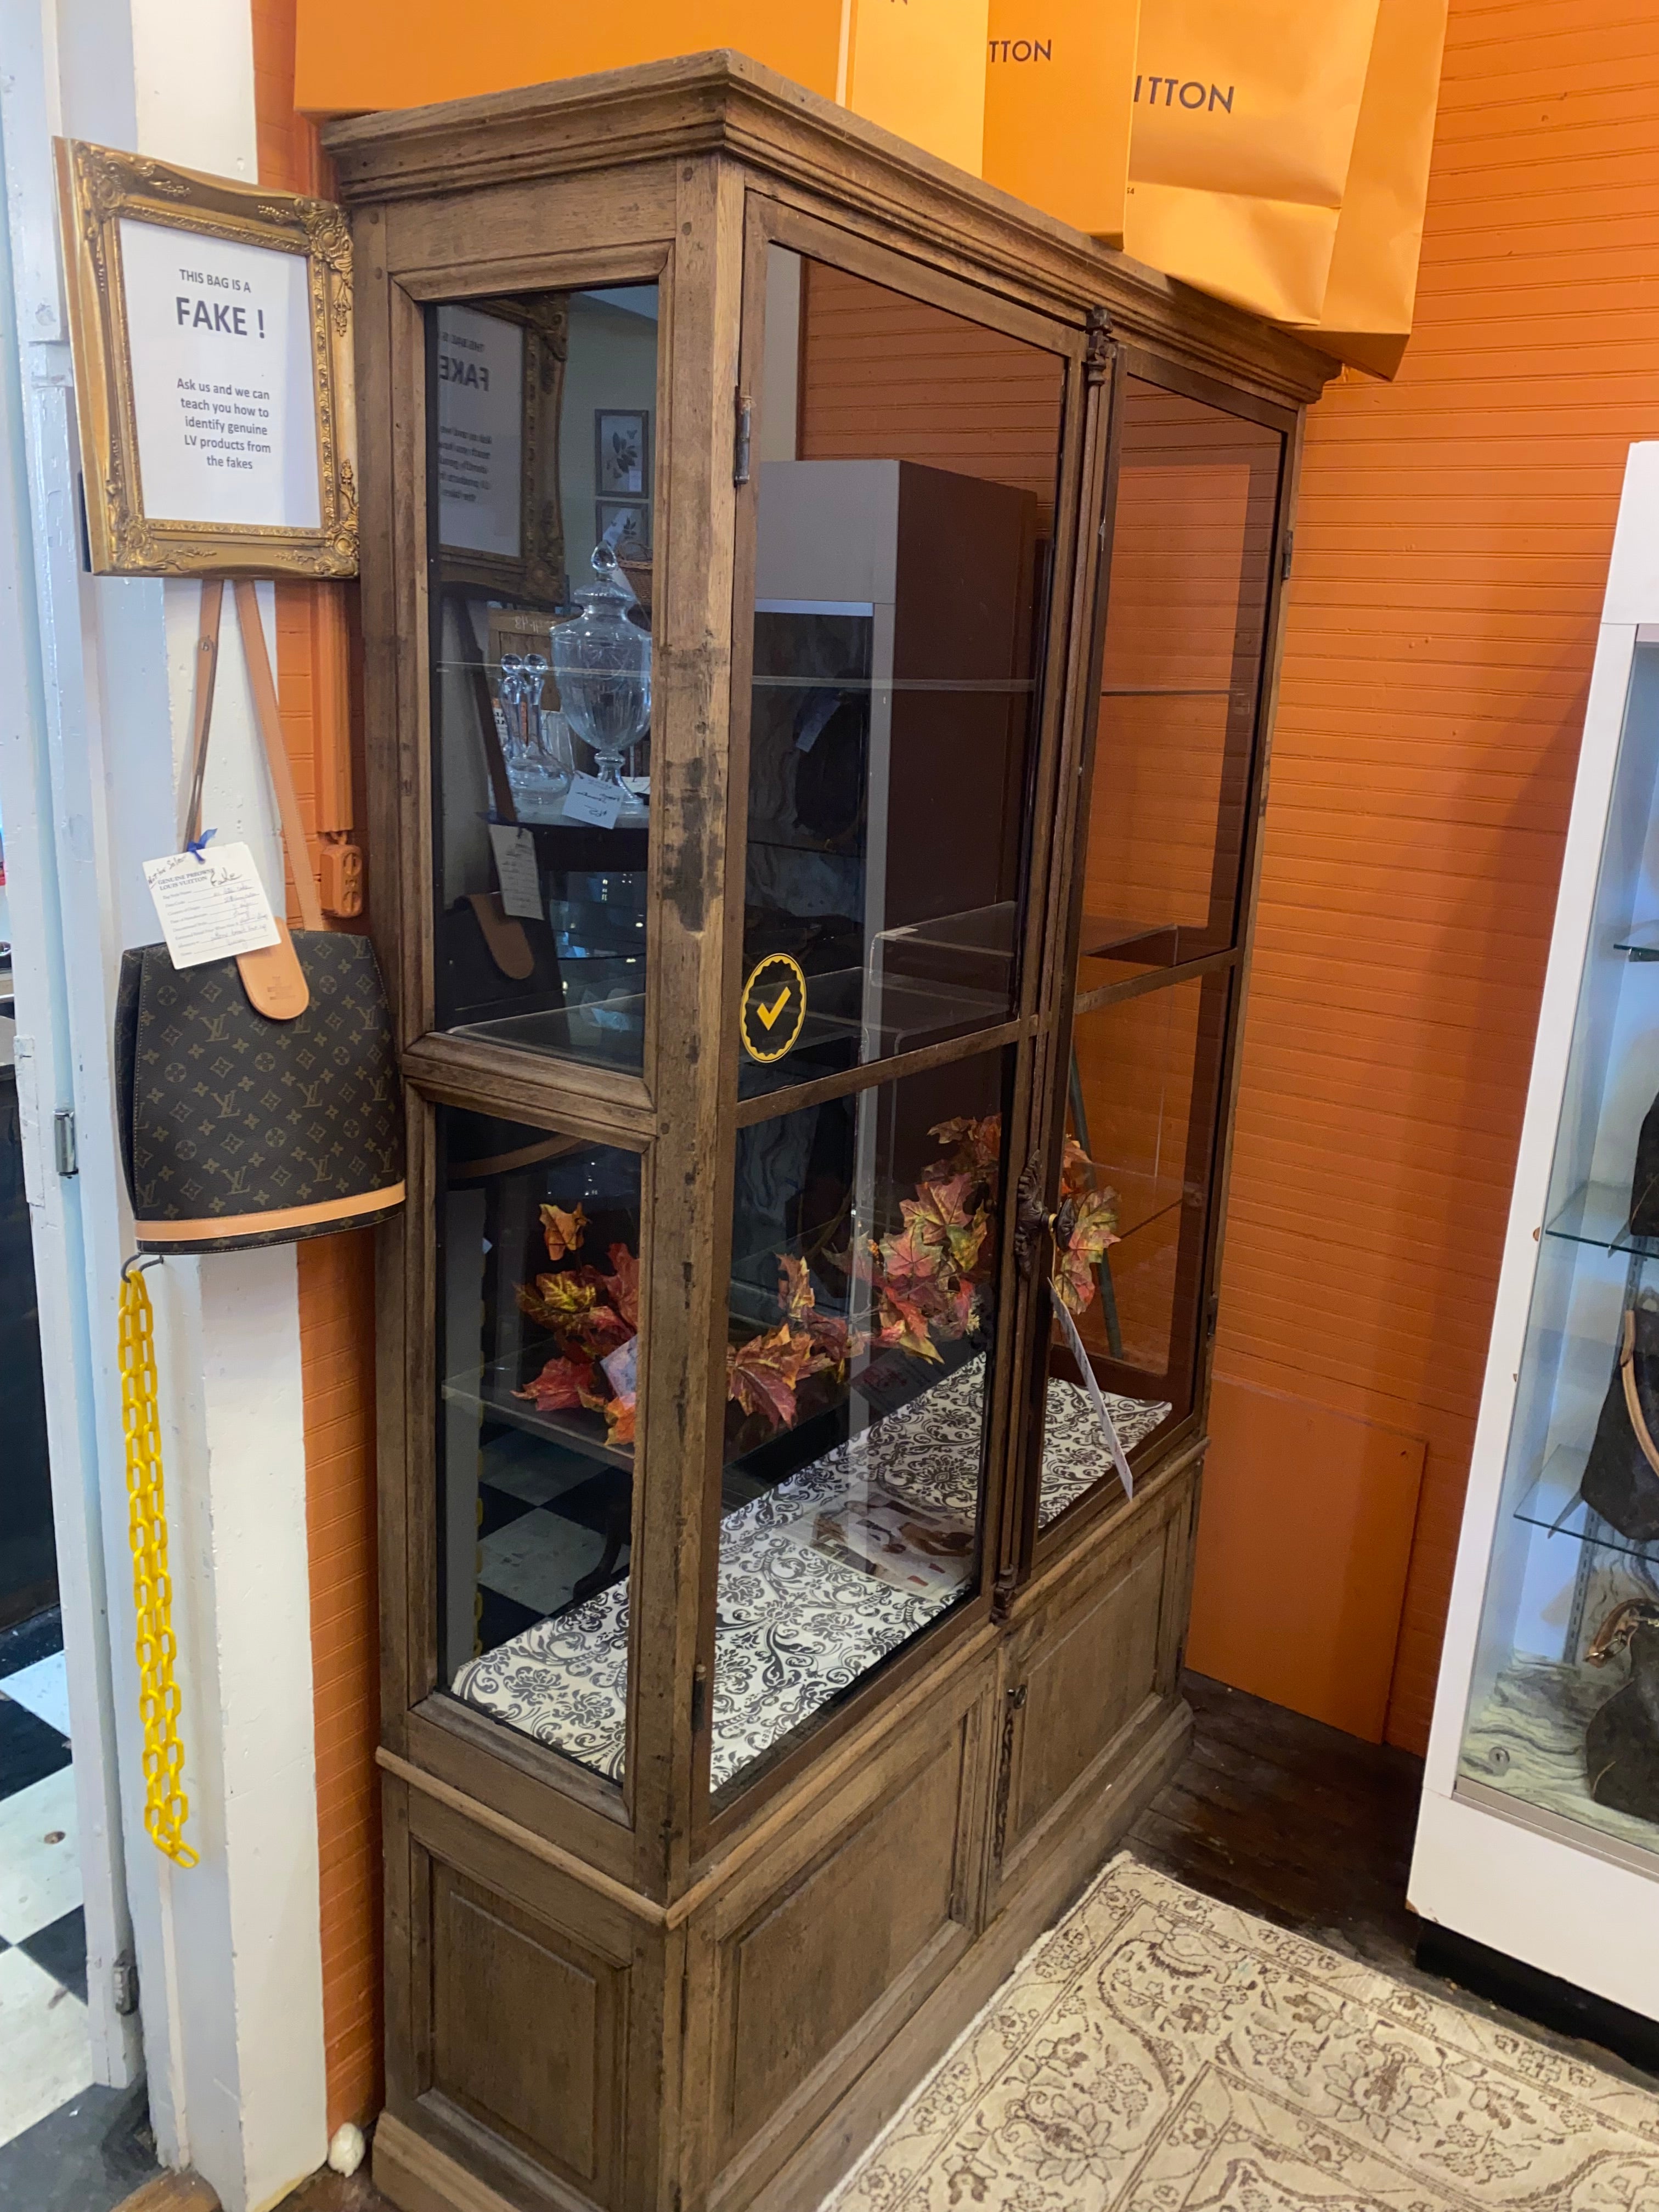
(538, 1361)
(907, 462)
(541, 495)
(1564, 1708)
(1189, 588)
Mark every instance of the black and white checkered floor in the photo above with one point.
(45, 2057)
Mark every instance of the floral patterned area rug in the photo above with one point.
(1160, 2052)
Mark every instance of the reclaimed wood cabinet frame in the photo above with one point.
(635, 1996)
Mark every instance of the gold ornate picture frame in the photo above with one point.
(211, 326)
(536, 568)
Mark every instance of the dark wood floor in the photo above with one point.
(1289, 1819)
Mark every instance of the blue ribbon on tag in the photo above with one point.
(194, 848)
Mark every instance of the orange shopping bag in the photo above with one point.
(1372, 287)
(1059, 81)
(916, 66)
(1244, 118)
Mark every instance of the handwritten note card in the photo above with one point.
(591, 799)
(212, 909)
(516, 871)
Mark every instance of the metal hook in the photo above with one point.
(141, 1260)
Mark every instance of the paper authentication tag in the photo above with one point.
(1107, 1429)
(515, 867)
(212, 909)
(591, 799)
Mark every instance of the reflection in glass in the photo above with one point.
(907, 469)
(861, 1318)
(1186, 625)
(538, 1263)
(540, 408)
(1144, 1094)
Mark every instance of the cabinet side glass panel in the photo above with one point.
(906, 463)
(1189, 589)
(1564, 1707)
(1185, 625)
(541, 469)
(861, 1323)
(538, 1263)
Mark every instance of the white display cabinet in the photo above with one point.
(1518, 1850)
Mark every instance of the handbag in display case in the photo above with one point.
(1622, 1476)
(1621, 1744)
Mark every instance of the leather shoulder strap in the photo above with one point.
(207, 669)
(1632, 1396)
(269, 720)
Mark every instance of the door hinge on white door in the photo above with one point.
(65, 1158)
(123, 1984)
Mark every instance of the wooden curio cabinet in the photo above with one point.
(820, 627)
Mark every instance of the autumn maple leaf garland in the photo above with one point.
(925, 1284)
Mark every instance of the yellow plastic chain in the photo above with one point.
(166, 1809)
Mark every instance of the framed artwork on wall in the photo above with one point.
(211, 327)
(622, 453)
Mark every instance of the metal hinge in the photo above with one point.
(63, 1152)
(1002, 1593)
(1015, 1703)
(1097, 349)
(699, 1697)
(1284, 558)
(124, 1981)
(740, 449)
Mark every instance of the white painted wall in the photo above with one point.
(228, 1952)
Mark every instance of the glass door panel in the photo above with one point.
(538, 1269)
(907, 472)
(862, 1313)
(1186, 623)
(541, 413)
(1190, 582)
(1143, 1091)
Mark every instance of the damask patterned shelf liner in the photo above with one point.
(1528, 1740)
(794, 1626)
(1158, 2051)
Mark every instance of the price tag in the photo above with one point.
(1108, 1428)
(591, 799)
(515, 868)
(212, 909)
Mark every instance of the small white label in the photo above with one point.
(592, 800)
(515, 867)
(1108, 1428)
(212, 909)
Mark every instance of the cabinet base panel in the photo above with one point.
(417, 2177)
(1075, 1856)
(1561, 2006)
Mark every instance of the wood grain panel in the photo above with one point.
(1451, 552)
(550, 2086)
(846, 1931)
(1087, 1679)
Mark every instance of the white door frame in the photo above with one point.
(39, 577)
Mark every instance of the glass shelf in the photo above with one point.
(1641, 942)
(1597, 1214)
(1552, 1503)
(492, 1393)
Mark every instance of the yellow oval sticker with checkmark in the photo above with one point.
(774, 1006)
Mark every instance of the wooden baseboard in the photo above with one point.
(173, 2192)
(419, 2177)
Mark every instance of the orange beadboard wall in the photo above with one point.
(337, 1296)
(1451, 552)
